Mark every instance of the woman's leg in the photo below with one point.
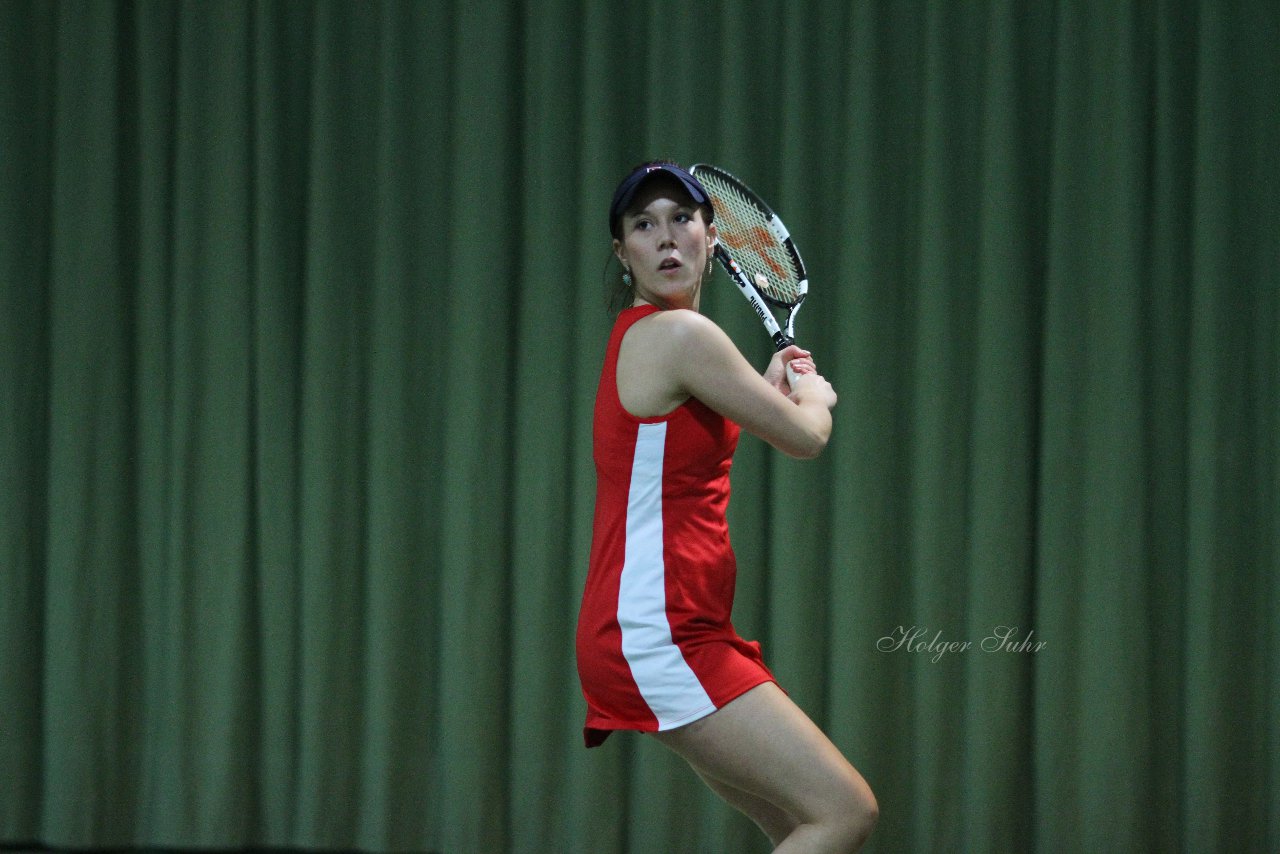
(764, 756)
(775, 823)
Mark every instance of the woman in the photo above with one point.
(656, 649)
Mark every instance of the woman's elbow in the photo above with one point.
(805, 447)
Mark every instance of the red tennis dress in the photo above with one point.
(656, 648)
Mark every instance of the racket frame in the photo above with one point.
(783, 336)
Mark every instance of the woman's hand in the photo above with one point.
(811, 386)
(798, 359)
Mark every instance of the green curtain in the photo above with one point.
(301, 309)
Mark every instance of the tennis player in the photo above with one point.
(657, 652)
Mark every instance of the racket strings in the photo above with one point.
(745, 231)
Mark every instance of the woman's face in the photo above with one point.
(664, 245)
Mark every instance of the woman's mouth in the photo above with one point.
(669, 264)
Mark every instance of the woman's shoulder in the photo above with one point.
(675, 341)
(678, 325)
(669, 340)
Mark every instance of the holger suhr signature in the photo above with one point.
(916, 639)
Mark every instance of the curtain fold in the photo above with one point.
(301, 317)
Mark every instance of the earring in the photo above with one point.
(626, 278)
(708, 265)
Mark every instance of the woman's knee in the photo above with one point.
(854, 814)
(849, 814)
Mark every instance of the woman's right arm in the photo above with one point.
(703, 362)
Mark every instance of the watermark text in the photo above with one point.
(920, 641)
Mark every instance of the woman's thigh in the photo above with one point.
(762, 744)
(776, 824)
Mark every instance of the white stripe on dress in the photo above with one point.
(664, 678)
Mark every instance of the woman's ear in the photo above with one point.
(713, 236)
(618, 253)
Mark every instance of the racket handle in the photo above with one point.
(791, 376)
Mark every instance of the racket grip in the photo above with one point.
(791, 376)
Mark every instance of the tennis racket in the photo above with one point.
(757, 252)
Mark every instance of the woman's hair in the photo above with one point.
(617, 292)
